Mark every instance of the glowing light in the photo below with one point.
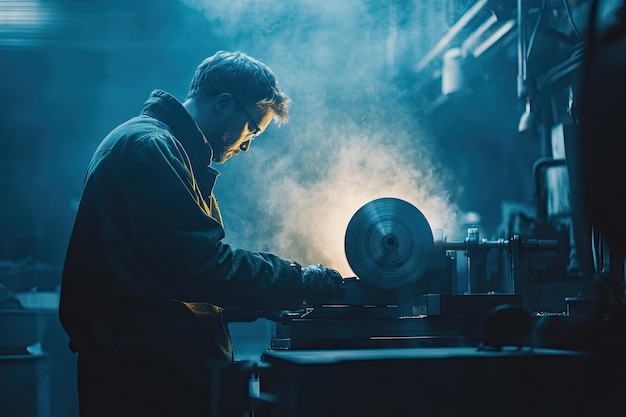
(22, 13)
(24, 23)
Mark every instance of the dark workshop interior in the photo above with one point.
(480, 140)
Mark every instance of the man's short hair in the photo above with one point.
(246, 78)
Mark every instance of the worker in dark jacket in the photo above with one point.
(147, 279)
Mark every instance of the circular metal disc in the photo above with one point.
(389, 244)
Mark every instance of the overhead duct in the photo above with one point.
(457, 60)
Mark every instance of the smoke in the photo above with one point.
(352, 136)
(314, 214)
(306, 198)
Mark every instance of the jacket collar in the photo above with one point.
(166, 108)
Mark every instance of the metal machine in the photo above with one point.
(403, 294)
(395, 348)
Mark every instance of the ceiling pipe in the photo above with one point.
(522, 87)
(527, 121)
(452, 33)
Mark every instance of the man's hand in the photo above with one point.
(322, 285)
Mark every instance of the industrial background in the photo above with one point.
(464, 108)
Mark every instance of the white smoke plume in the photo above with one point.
(351, 138)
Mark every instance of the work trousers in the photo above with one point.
(125, 384)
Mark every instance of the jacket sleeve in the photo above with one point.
(179, 245)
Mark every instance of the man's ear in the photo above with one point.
(224, 102)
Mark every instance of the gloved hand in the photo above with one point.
(322, 285)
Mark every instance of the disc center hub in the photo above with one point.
(389, 242)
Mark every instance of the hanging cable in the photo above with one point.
(533, 34)
(571, 20)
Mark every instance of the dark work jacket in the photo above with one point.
(146, 268)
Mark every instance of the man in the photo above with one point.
(147, 279)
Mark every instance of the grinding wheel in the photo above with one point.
(389, 244)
